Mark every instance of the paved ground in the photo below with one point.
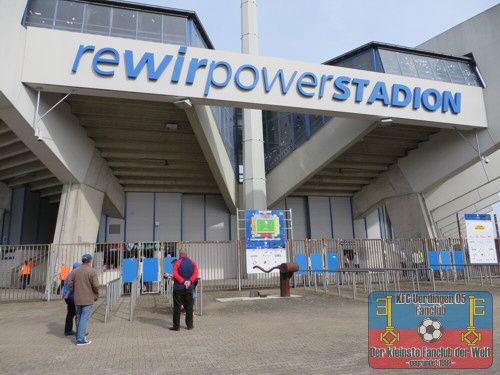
(316, 334)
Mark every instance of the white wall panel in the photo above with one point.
(373, 225)
(342, 217)
(139, 217)
(217, 218)
(321, 223)
(168, 216)
(359, 228)
(116, 237)
(299, 216)
(193, 217)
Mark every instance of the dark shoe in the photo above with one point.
(190, 328)
(70, 333)
(86, 342)
(174, 329)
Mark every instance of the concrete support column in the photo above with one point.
(409, 216)
(254, 180)
(79, 214)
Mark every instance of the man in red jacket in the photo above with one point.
(185, 274)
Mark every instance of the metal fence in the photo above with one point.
(113, 294)
(134, 296)
(222, 264)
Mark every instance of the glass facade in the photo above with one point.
(226, 119)
(80, 16)
(418, 65)
(284, 132)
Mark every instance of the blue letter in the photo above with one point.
(360, 86)
(324, 79)
(178, 65)
(416, 97)
(193, 68)
(79, 54)
(455, 103)
(396, 89)
(255, 78)
(284, 88)
(301, 83)
(98, 59)
(340, 85)
(147, 58)
(210, 79)
(379, 92)
(437, 99)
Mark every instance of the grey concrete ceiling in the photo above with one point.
(19, 166)
(364, 161)
(150, 146)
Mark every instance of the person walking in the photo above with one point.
(185, 274)
(85, 284)
(25, 273)
(69, 298)
(62, 278)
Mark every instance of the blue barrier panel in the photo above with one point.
(129, 270)
(446, 260)
(149, 269)
(168, 266)
(459, 259)
(301, 260)
(434, 260)
(316, 261)
(332, 260)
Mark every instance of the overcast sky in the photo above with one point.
(318, 30)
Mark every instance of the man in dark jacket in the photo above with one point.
(185, 274)
(85, 284)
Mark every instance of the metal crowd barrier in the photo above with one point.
(484, 270)
(383, 277)
(135, 292)
(113, 294)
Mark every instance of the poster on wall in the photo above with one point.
(265, 239)
(480, 238)
(265, 258)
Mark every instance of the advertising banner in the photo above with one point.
(430, 330)
(480, 238)
(265, 239)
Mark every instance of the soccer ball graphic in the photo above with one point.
(430, 330)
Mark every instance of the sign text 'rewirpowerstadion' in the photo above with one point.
(248, 77)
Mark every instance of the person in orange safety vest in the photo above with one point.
(25, 273)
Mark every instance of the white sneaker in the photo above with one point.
(86, 342)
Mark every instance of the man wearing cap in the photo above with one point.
(185, 274)
(85, 284)
(69, 298)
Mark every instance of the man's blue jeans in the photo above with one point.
(82, 317)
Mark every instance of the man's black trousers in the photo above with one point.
(183, 298)
(70, 315)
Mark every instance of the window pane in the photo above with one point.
(439, 70)
(69, 16)
(197, 38)
(390, 62)
(469, 74)
(124, 23)
(41, 13)
(423, 66)
(455, 72)
(174, 30)
(407, 66)
(97, 19)
(299, 129)
(149, 27)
